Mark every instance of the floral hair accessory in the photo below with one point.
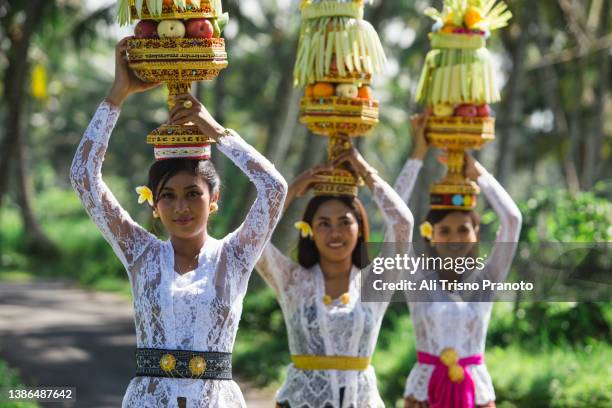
(426, 230)
(305, 229)
(144, 194)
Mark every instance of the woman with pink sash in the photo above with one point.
(451, 332)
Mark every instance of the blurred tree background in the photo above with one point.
(553, 153)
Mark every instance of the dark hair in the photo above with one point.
(162, 171)
(308, 254)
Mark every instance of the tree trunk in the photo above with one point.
(15, 81)
(595, 135)
(511, 106)
(36, 240)
(549, 80)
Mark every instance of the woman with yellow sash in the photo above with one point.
(332, 333)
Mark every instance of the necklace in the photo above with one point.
(193, 264)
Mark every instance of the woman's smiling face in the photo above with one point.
(335, 231)
(183, 205)
(455, 235)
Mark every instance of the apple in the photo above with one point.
(171, 29)
(443, 110)
(347, 91)
(484, 111)
(146, 29)
(467, 111)
(199, 28)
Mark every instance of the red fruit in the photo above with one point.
(468, 111)
(199, 28)
(484, 111)
(146, 29)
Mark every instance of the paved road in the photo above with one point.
(58, 335)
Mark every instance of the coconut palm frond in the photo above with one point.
(124, 16)
(499, 16)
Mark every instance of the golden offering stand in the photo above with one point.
(178, 62)
(336, 73)
(456, 135)
(457, 84)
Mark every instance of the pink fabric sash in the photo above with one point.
(444, 393)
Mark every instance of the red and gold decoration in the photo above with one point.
(337, 55)
(176, 42)
(457, 85)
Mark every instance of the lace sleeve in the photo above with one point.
(404, 185)
(276, 269)
(399, 223)
(127, 238)
(507, 237)
(244, 245)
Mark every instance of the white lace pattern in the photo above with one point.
(462, 325)
(332, 330)
(200, 310)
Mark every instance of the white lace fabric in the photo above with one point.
(446, 322)
(331, 330)
(198, 311)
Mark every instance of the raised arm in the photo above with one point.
(249, 239)
(275, 268)
(406, 180)
(126, 237)
(242, 247)
(398, 218)
(510, 220)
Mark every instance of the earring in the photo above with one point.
(155, 214)
(214, 207)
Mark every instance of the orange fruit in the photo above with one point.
(365, 92)
(168, 2)
(309, 91)
(449, 29)
(323, 90)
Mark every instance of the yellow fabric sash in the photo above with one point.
(331, 362)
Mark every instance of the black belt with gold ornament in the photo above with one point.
(183, 364)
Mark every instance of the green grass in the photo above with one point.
(557, 378)
(10, 380)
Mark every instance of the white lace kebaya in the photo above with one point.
(315, 328)
(448, 323)
(197, 311)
